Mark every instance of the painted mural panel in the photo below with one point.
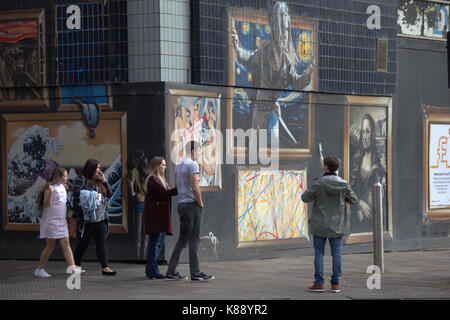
(368, 135)
(269, 205)
(423, 18)
(273, 50)
(99, 93)
(435, 20)
(22, 58)
(34, 144)
(196, 116)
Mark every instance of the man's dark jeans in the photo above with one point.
(190, 222)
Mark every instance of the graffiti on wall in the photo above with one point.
(368, 163)
(197, 117)
(34, 148)
(272, 50)
(21, 60)
(423, 18)
(269, 205)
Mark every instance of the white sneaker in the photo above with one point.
(77, 271)
(41, 273)
(73, 268)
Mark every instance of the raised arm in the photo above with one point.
(156, 189)
(247, 58)
(350, 196)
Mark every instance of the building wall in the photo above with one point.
(346, 47)
(422, 81)
(151, 46)
(159, 41)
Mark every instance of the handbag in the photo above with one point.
(72, 225)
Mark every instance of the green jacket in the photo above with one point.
(329, 218)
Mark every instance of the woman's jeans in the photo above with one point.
(140, 236)
(155, 244)
(319, 252)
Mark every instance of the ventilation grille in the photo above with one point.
(382, 45)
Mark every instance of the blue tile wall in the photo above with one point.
(346, 47)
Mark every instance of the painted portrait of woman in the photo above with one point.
(367, 166)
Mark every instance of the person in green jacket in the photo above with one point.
(329, 219)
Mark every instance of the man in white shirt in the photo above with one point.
(189, 208)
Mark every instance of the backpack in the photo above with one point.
(78, 182)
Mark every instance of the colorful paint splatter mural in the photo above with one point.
(269, 205)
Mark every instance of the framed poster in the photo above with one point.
(281, 103)
(33, 145)
(437, 163)
(269, 208)
(367, 160)
(22, 59)
(195, 115)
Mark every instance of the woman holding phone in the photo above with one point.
(94, 222)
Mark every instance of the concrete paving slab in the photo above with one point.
(408, 275)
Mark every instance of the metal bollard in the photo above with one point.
(377, 209)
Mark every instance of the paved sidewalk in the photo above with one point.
(408, 275)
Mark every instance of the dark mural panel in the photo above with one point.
(22, 67)
(271, 52)
(81, 42)
(346, 47)
(421, 18)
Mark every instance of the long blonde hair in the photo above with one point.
(56, 174)
(153, 168)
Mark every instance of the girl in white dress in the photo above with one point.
(54, 224)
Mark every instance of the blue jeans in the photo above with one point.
(155, 244)
(319, 252)
(140, 236)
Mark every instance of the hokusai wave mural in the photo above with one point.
(35, 146)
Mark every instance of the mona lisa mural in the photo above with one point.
(367, 146)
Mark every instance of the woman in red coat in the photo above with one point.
(157, 217)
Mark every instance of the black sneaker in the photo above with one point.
(175, 277)
(202, 277)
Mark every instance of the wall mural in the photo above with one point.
(366, 161)
(196, 116)
(269, 205)
(22, 59)
(35, 144)
(368, 146)
(423, 18)
(273, 50)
